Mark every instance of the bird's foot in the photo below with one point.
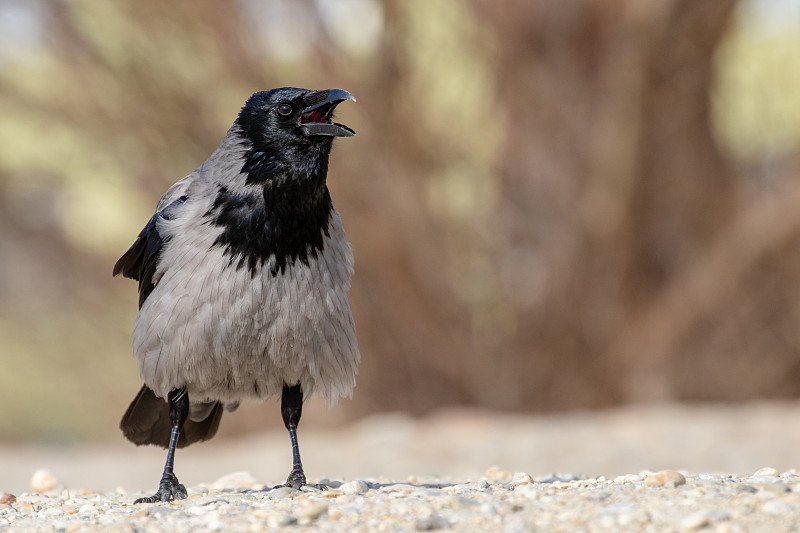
(169, 489)
(297, 480)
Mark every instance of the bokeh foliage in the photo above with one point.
(552, 204)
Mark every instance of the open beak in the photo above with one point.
(316, 117)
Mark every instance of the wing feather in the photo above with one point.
(140, 261)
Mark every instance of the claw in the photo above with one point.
(169, 489)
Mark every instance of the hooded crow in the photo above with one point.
(243, 275)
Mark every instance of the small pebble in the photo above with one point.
(43, 481)
(521, 478)
(766, 471)
(665, 478)
(8, 498)
(280, 492)
(357, 486)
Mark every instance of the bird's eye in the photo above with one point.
(284, 110)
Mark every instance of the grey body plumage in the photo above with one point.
(243, 276)
(226, 333)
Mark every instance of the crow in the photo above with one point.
(243, 275)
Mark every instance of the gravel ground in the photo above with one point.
(644, 468)
(498, 501)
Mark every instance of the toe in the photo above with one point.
(179, 492)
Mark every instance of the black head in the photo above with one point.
(292, 118)
(289, 132)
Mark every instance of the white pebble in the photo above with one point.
(665, 478)
(766, 471)
(357, 486)
(280, 493)
(521, 478)
(43, 481)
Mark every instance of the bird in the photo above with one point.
(243, 274)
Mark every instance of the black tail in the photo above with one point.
(147, 422)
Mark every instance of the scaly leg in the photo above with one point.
(170, 488)
(291, 409)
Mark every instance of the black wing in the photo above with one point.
(139, 262)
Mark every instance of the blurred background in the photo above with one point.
(554, 205)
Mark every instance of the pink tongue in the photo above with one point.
(314, 116)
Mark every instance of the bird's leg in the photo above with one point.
(291, 409)
(170, 488)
